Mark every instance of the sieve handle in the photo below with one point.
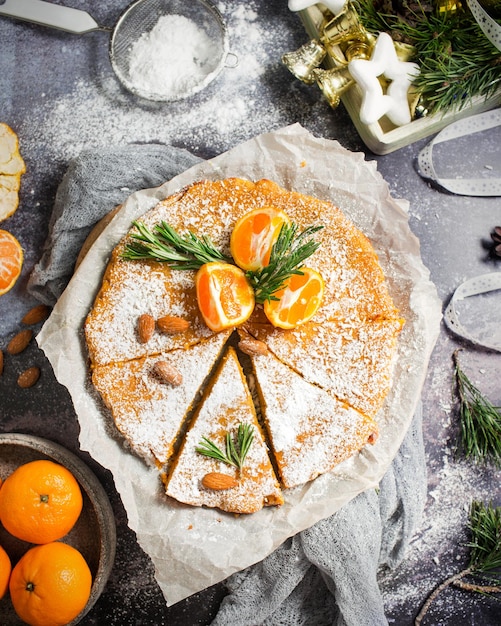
(48, 14)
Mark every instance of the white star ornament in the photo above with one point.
(384, 62)
(334, 6)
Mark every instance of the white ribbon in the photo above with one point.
(462, 186)
(490, 28)
(472, 287)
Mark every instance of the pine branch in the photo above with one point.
(457, 61)
(485, 556)
(480, 421)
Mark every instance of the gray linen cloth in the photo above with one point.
(324, 575)
(94, 184)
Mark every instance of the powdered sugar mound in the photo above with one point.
(173, 58)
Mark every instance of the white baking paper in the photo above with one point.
(193, 548)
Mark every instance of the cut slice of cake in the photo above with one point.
(310, 431)
(148, 409)
(351, 361)
(226, 405)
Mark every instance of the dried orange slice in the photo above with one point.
(298, 300)
(11, 168)
(253, 237)
(224, 296)
(11, 261)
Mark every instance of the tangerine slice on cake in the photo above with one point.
(298, 301)
(253, 237)
(11, 261)
(225, 297)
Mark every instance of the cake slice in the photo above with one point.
(353, 362)
(149, 410)
(226, 405)
(310, 431)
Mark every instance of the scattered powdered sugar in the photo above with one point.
(173, 58)
(97, 113)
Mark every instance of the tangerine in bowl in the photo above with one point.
(91, 540)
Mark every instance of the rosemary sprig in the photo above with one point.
(235, 452)
(181, 252)
(480, 420)
(485, 556)
(288, 254)
(189, 252)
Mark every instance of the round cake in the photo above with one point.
(311, 393)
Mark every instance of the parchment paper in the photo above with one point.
(193, 548)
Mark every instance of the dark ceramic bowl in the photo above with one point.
(94, 534)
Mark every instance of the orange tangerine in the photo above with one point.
(224, 296)
(298, 300)
(11, 261)
(40, 501)
(253, 237)
(50, 585)
(5, 569)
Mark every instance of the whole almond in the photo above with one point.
(171, 324)
(19, 342)
(252, 347)
(1, 362)
(218, 481)
(145, 327)
(29, 377)
(35, 315)
(168, 373)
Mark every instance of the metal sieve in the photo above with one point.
(136, 21)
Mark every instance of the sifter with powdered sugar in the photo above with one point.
(162, 50)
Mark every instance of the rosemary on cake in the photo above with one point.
(222, 284)
(235, 452)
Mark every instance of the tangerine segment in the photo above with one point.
(5, 568)
(50, 585)
(224, 296)
(40, 502)
(11, 261)
(253, 237)
(298, 300)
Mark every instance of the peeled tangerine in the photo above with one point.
(224, 296)
(298, 301)
(253, 237)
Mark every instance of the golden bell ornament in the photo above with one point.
(358, 50)
(333, 83)
(304, 60)
(343, 27)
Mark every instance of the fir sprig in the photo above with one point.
(485, 556)
(480, 421)
(181, 252)
(235, 452)
(287, 257)
(457, 61)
